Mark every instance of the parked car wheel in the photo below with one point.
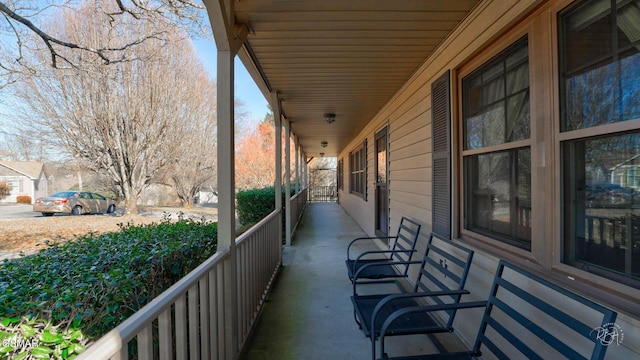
(111, 209)
(77, 210)
(47, 214)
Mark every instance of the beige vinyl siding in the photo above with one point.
(361, 210)
(408, 114)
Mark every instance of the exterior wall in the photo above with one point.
(361, 210)
(41, 187)
(408, 116)
(21, 185)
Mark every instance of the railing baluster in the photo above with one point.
(221, 319)
(145, 343)
(204, 317)
(213, 312)
(123, 353)
(181, 329)
(164, 335)
(194, 339)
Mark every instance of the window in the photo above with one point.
(497, 153)
(599, 63)
(358, 170)
(600, 88)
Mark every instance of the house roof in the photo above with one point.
(347, 58)
(31, 169)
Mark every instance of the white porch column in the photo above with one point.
(229, 37)
(305, 182)
(226, 197)
(297, 163)
(287, 181)
(275, 105)
(301, 167)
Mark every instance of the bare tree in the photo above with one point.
(197, 161)
(126, 119)
(22, 30)
(322, 171)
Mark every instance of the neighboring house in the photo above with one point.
(25, 178)
(206, 197)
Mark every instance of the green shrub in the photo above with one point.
(98, 281)
(23, 199)
(255, 204)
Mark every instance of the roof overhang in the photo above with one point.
(346, 58)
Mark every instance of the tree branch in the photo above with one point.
(48, 40)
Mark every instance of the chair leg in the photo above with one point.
(355, 316)
(373, 347)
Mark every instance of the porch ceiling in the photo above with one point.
(343, 57)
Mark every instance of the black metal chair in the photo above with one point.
(402, 246)
(526, 317)
(440, 280)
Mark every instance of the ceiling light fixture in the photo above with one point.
(324, 143)
(329, 117)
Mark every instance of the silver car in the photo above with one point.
(74, 203)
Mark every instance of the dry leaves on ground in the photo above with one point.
(31, 235)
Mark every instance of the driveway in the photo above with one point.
(17, 211)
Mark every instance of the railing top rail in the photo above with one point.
(247, 234)
(298, 194)
(128, 329)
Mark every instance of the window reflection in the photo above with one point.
(499, 195)
(601, 76)
(496, 99)
(602, 199)
(382, 160)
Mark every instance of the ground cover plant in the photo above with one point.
(69, 293)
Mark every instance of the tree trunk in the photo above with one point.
(131, 206)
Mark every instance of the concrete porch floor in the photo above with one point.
(309, 314)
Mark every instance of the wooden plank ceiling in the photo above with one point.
(347, 57)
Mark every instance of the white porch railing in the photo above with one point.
(298, 203)
(187, 320)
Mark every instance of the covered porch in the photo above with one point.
(308, 314)
(388, 88)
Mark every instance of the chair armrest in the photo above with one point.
(381, 263)
(377, 252)
(393, 297)
(366, 253)
(402, 312)
(365, 238)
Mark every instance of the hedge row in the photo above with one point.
(97, 281)
(255, 204)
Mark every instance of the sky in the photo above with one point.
(255, 105)
(246, 89)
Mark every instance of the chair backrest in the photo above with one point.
(529, 317)
(405, 241)
(444, 270)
